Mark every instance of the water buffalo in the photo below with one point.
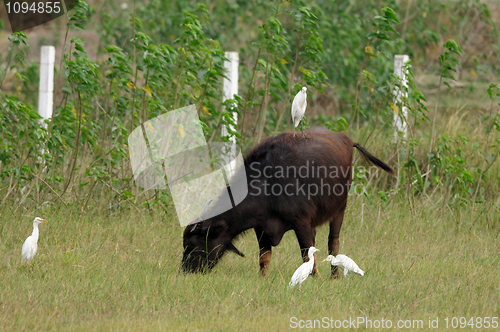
(293, 184)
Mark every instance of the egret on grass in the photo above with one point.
(304, 270)
(299, 105)
(30, 245)
(345, 263)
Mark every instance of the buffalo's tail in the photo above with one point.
(374, 160)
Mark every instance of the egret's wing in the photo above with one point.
(300, 275)
(295, 107)
(28, 250)
(351, 264)
(25, 249)
(355, 268)
(295, 277)
(299, 105)
(296, 113)
(346, 261)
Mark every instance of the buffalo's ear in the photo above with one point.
(193, 228)
(232, 248)
(214, 228)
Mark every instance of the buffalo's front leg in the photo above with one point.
(265, 251)
(315, 269)
(306, 237)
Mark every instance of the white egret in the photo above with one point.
(30, 245)
(299, 105)
(345, 263)
(304, 270)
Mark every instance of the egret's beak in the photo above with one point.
(43, 220)
(323, 260)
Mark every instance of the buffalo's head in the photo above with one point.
(205, 242)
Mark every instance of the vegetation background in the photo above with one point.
(109, 258)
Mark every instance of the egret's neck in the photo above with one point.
(35, 231)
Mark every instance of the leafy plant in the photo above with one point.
(449, 63)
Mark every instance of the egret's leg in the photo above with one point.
(333, 237)
(293, 131)
(265, 251)
(302, 126)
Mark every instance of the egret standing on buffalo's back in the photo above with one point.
(299, 105)
(30, 246)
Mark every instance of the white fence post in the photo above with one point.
(46, 87)
(400, 125)
(231, 89)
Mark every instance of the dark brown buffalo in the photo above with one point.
(270, 212)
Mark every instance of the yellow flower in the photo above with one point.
(181, 130)
(474, 75)
(205, 109)
(150, 126)
(395, 108)
(131, 85)
(368, 49)
(148, 90)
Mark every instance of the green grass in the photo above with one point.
(120, 271)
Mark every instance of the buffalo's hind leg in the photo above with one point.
(265, 251)
(333, 237)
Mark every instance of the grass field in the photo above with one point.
(119, 270)
(430, 253)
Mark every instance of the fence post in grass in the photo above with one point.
(400, 125)
(46, 87)
(230, 90)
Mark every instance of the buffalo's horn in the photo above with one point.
(232, 248)
(205, 210)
